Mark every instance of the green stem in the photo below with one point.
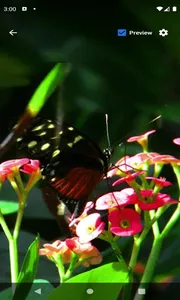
(150, 266)
(5, 227)
(60, 267)
(13, 255)
(72, 265)
(174, 218)
(117, 252)
(18, 180)
(155, 226)
(135, 252)
(22, 202)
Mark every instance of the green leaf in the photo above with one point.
(8, 207)
(95, 280)
(39, 284)
(28, 271)
(47, 87)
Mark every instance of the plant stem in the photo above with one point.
(13, 255)
(174, 218)
(72, 265)
(60, 267)
(117, 252)
(135, 252)
(150, 266)
(155, 226)
(5, 227)
(22, 202)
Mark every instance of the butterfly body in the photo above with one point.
(71, 163)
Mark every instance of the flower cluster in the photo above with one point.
(125, 207)
(85, 254)
(24, 165)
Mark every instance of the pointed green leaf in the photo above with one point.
(94, 281)
(47, 87)
(28, 271)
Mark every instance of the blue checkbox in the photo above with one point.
(121, 32)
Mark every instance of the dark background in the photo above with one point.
(133, 79)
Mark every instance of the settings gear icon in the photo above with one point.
(163, 32)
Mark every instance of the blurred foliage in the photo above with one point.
(133, 79)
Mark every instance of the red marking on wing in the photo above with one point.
(78, 183)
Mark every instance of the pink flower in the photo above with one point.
(137, 161)
(166, 159)
(58, 247)
(141, 139)
(176, 141)
(160, 181)
(75, 245)
(128, 163)
(24, 164)
(31, 166)
(125, 222)
(119, 198)
(7, 167)
(88, 254)
(128, 178)
(89, 205)
(9, 164)
(150, 201)
(91, 256)
(120, 166)
(89, 228)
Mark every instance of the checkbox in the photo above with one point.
(121, 32)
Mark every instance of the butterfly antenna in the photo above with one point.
(107, 132)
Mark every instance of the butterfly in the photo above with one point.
(71, 163)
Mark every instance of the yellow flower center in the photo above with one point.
(110, 202)
(124, 224)
(90, 229)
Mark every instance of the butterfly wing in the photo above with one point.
(71, 163)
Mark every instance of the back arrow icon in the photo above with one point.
(12, 32)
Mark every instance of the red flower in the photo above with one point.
(125, 222)
(160, 181)
(150, 201)
(24, 164)
(9, 164)
(75, 246)
(31, 166)
(119, 198)
(4, 174)
(89, 228)
(89, 255)
(7, 167)
(128, 178)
